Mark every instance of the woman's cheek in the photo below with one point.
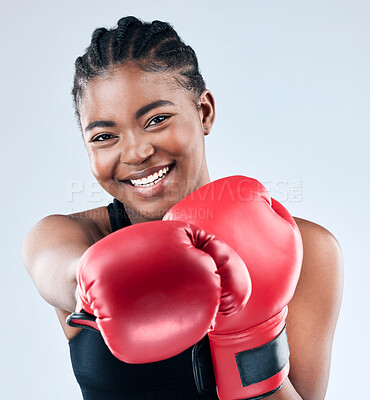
(100, 166)
(183, 139)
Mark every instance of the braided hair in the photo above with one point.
(153, 47)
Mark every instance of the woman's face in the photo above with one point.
(145, 139)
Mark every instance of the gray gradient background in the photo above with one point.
(291, 81)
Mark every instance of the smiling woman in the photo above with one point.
(181, 283)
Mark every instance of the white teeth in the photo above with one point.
(152, 179)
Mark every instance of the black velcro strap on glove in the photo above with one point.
(261, 363)
(202, 366)
(84, 318)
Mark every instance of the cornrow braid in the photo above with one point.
(154, 47)
(157, 28)
(186, 52)
(95, 44)
(122, 39)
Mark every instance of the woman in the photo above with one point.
(144, 110)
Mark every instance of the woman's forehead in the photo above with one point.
(128, 89)
(129, 78)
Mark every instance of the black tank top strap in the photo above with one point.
(117, 215)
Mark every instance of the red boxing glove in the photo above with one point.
(250, 352)
(155, 288)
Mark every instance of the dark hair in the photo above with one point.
(154, 47)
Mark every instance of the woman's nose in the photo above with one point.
(136, 149)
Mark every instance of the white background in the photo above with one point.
(292, 87)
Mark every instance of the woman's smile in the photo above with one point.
(152, 184)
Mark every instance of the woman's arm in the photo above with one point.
(51, 251)
(313, 314)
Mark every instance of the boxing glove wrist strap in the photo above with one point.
(263, 362)
(257, 360)
(82, 320)
(204, 377)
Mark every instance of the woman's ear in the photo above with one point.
(206, 107)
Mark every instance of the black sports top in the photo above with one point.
(102, 376)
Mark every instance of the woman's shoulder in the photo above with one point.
(322, 254)
(56, 230)
(320, 285)
(317, 239)
(95, 220)
(93, 223)
(314, 309)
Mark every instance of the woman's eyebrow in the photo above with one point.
(100, 124)
(158, 103)
(139, 113)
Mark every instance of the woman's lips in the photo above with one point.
(151, 189)
(138, 175)
(152, 179)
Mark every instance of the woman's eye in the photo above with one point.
(158, 119)
(102, 138)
